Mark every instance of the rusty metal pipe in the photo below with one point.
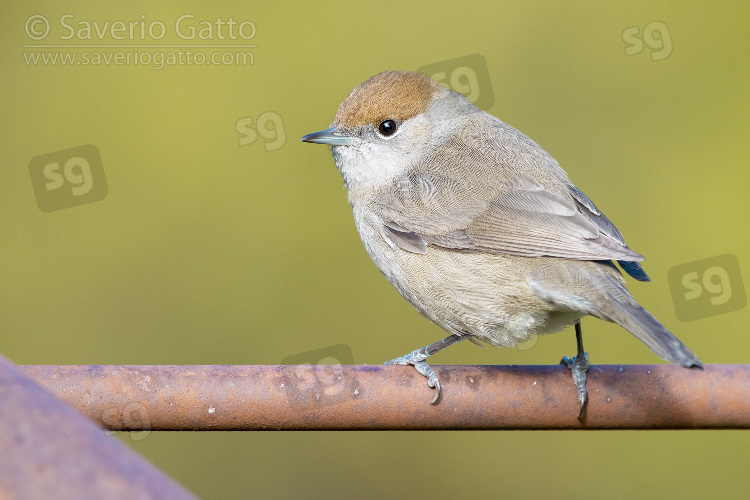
(357, 397)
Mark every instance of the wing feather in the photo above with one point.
(497, 192)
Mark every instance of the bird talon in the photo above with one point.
(417, 360)
(567, 361)
(578, 367)
(436, 385)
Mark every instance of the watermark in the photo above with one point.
(68, 178)
(466, 75)
(137, 57)
(529, 343)
(269, 126)
(655, 36)
(707, 287)
(183, 41)
(133, 415)
(316, 378)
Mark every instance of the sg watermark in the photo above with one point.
(185, 40)
(655, 36)
(467, 75)
(707, 287)
(315, 379)
(529, 343)
(67, 178)
(269, 126)
(132, 415)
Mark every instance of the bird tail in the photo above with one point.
(621, 308)
(599, 290)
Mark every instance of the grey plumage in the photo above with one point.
(476, 225)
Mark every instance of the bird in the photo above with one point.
(478, 227)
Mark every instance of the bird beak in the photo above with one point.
(332, 137)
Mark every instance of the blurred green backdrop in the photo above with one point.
(207, 251)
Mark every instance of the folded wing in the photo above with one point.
(498, 192)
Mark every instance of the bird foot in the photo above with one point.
(417, 360)
(578, 366)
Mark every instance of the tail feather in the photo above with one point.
(639, 322)
(599, 290)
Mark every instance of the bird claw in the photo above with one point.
(417, 360)
(578, 366)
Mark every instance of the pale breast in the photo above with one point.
(486, 295)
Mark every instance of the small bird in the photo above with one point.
(478, 227)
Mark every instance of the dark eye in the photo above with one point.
(388, 127)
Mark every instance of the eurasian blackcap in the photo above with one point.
(478, 227)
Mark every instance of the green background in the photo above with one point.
(208, 252)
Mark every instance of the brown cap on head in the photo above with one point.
(398, 95)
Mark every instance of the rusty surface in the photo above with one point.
(328, 397)
(48, 450)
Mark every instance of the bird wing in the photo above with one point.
(491, 188)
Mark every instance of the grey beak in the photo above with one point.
(332, 137)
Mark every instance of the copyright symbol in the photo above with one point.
(37, 27)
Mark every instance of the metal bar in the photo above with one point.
(48, 450)
(333, 397)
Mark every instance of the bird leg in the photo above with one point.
(579, 365)
(417, 359)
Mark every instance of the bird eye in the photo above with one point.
(388, 127)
